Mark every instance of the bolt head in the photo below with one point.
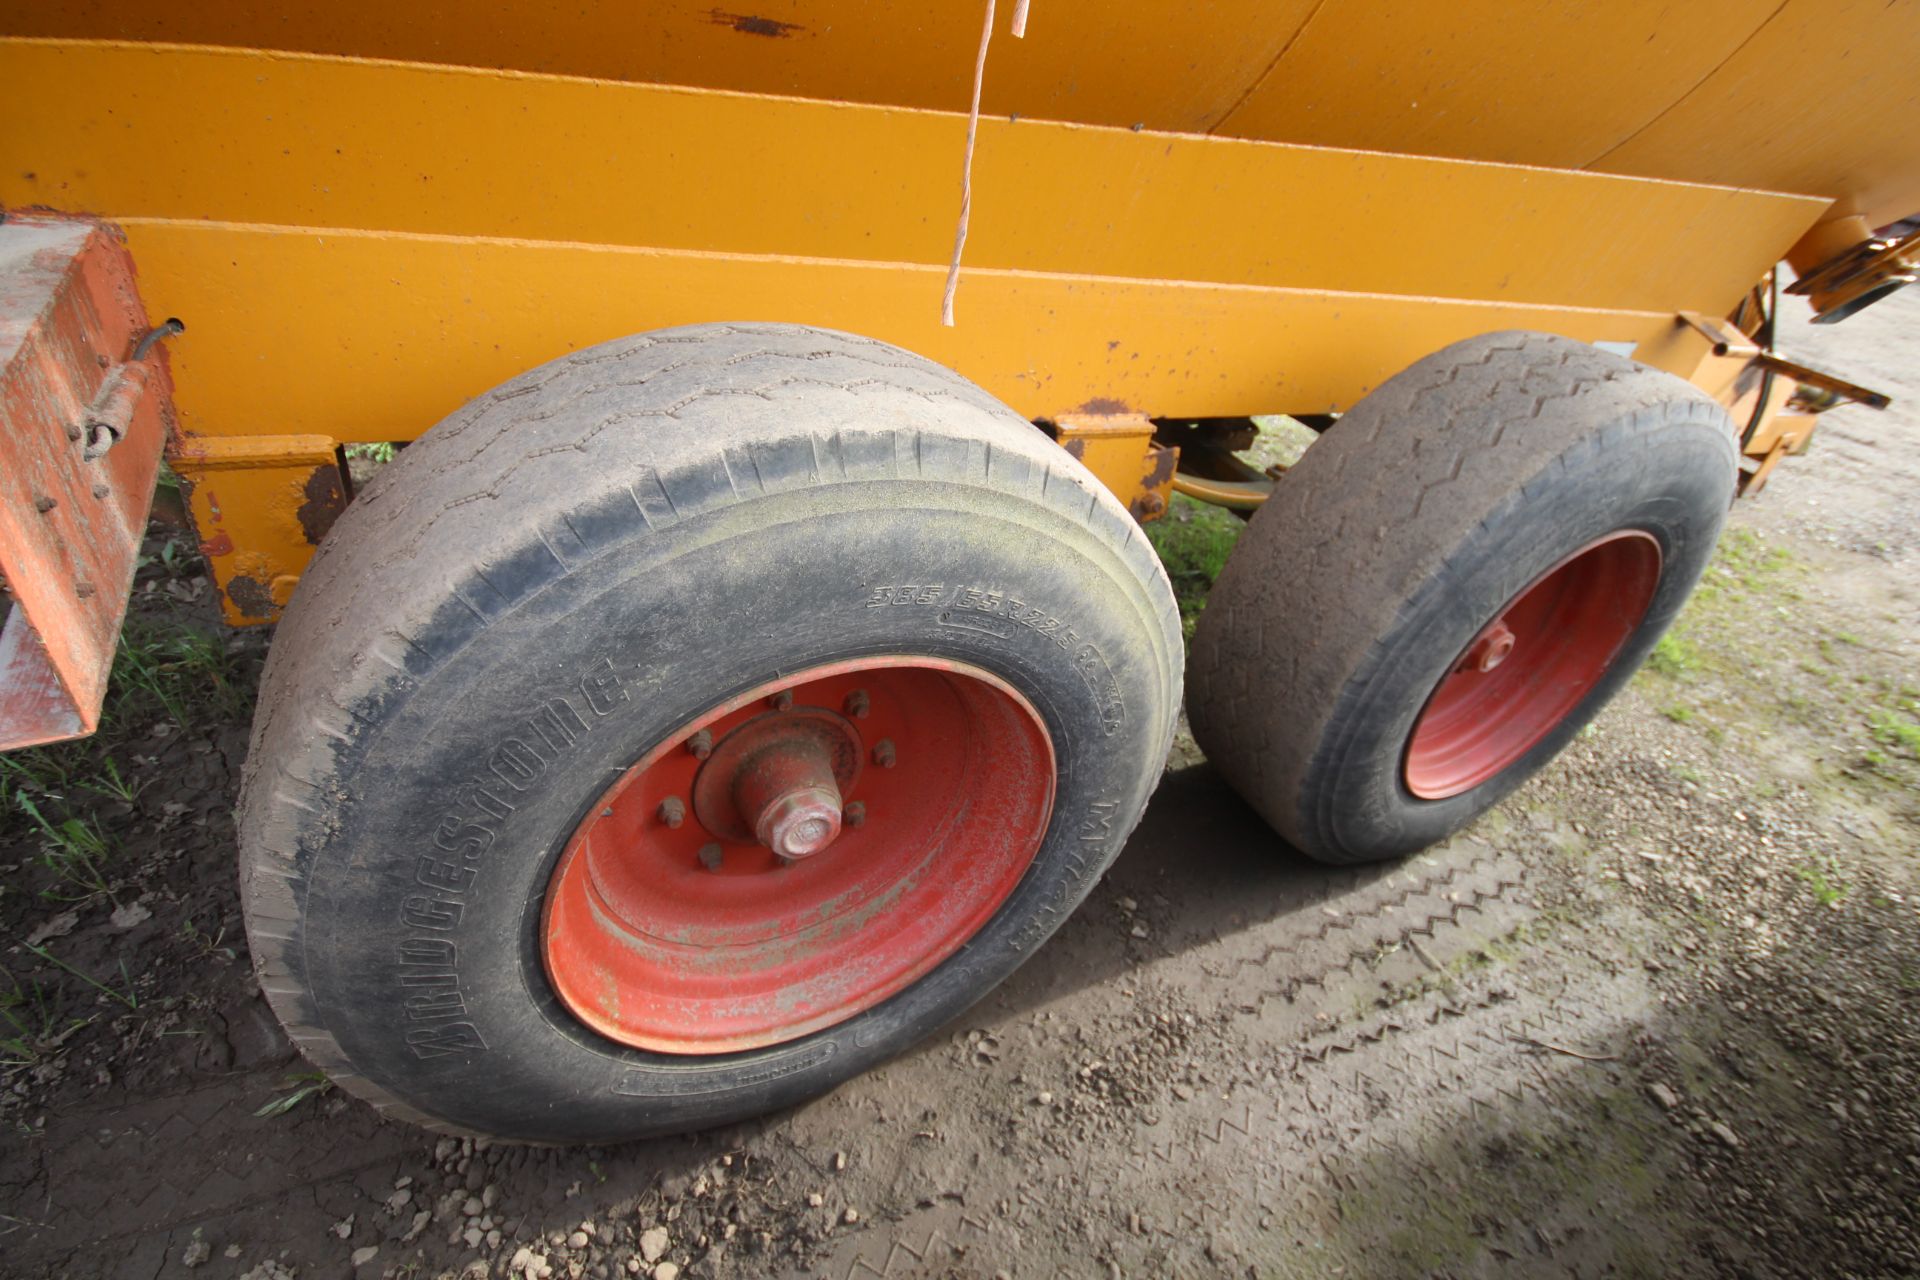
(801, 823)
(783, 700)
(857, 704)
(672, 811)
(883, 753)
(701, 745)
(710, 856)
(854, 815)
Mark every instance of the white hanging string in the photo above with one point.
(1019, 28)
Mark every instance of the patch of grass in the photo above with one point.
(381, 452)
(126, 996)
(74, 849)
(1829, 892)
(1893, 727)
(1674, 657)
(110, 783)
(1193, 541)
(298, 1090)
(27, 1023)
(170, 557)
(209, 947)
(172, 671)
(1679, 712)
(1744, 559)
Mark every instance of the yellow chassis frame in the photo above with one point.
(356, 247)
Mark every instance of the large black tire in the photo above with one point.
(1402, 533)
(642, 530)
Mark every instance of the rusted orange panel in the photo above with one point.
(1119, 449)
(261, 505)
(70, 524)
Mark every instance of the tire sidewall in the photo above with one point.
(1666, 471)
(462, 794)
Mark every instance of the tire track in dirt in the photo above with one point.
(1338, 1085)
(190, 1158)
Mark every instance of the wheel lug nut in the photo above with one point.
(710, 856)
(673, 811)
(783, 700)
(854, 814)
(856, 704)
(701, 745)
(883, 753)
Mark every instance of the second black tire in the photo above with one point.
(1401, 535)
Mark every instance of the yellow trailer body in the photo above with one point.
(1189, 211)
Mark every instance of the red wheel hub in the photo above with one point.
(1532, 665)
(797, 855)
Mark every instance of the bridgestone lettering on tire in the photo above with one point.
(615, 549)
(1515, 476)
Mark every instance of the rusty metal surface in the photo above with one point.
(261, 505)
(1119, 449)
(72, 513)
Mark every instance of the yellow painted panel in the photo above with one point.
(1178, 64)
(1820, 100)
(375, 336)
(1554, 84)
(305, 141)
(1825, 98)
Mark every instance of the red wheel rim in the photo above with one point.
(910, 795)
(1532, 665)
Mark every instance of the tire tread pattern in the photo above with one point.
(656, 421)
(1367, 517)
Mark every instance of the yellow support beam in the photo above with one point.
(368, 335)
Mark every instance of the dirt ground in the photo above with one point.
(1659, 1014)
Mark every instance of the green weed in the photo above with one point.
(1674, 657)
(175, 672)
(298, 1090)
(73, 849)
(169, 557)
(109, 783)
(1679, 713)
(382, 452)
(27, 1023)
(1894, 728)
(126, 996)
(210, 947)
(1827, 891)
